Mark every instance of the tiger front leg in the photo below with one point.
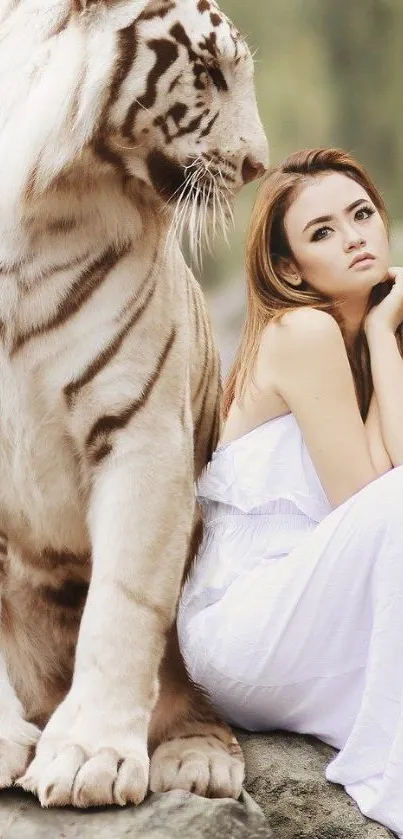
(93, 751)
(192, 748)
(17, 736)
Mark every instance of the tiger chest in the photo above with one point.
(40, 497)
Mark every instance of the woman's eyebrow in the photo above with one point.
(329, 218)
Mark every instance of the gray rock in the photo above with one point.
(285, 776)
(288, 794)
(170, 815)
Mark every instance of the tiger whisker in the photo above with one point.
(144, 107)
(222, 218)
(174, 195)
(214, 212)
(128, 148)
(206, 227)
(174, 231)
(203, 233)
(203, 197)
(223, 181)
(180, 188)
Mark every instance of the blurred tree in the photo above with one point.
(328, 72)
(364, 54)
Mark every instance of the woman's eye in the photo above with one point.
(364, 213)
(320, 233)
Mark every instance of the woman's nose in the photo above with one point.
(353, 239)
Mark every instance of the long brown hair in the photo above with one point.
(269, 295)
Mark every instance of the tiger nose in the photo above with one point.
(252, 169)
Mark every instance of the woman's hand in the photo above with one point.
(380, 326)
(389, 312)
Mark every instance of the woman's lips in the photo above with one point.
(362, 260)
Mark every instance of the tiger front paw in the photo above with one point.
(66, 774)
(87, 758)
(17, 740)
(202, 765)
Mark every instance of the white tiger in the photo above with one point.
(115, 115)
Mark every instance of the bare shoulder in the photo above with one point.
(305, 330)
(306, 323)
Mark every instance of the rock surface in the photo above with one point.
(285, 777)
(167, 816)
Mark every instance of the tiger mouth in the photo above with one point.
(194, 181)
(200, 197)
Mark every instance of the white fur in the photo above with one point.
(133, 510)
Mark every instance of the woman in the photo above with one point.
(293, 615)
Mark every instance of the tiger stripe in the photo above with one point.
(77, 96)
(103, 358)
(59, 267)
(3, 544)
(207, 130)
(215, 426)
(161, 12)
(109, 423)
(79, 293)
(202, 411)
(190, 128)
(166, 54)
(195, 309)
(70, 595)
(61, 225)
(127, 52)
(207, 392)
(205, 371)
(53, 560)
(61, 26)
(126, 55)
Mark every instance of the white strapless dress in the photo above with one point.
(293, 614)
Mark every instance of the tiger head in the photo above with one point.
(162, 91)
(181, 112)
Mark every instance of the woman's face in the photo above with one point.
(337, 237)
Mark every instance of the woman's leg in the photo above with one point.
(313, 642)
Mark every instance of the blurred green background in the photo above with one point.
(328, 72)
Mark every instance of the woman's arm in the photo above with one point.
(387, 366)
(387, 375)
(373, 429)
(308, 363)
